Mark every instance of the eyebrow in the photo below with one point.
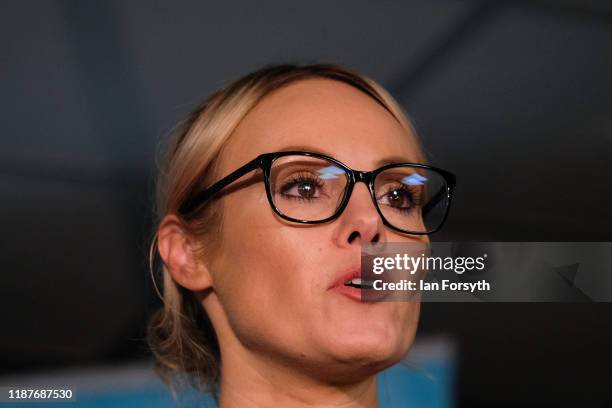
(381, 162)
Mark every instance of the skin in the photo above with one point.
(286, 339)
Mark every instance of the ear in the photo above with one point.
(176, 248)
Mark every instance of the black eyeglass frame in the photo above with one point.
(265, 161)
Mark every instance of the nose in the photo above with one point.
(360, 221)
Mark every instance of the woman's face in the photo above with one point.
(272, 278)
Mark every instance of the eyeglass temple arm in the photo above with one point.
(451, 181)
(206, 194)
(434, 200)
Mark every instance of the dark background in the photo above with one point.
(515, 97)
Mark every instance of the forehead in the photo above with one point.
(320, 115)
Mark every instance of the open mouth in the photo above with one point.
(360, 283)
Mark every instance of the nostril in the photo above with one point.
(356, 234)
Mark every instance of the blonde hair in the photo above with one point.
(180, 334)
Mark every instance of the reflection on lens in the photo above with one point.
(331, 172)
(414, 180)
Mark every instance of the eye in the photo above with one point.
(399, 197)
(302, 187)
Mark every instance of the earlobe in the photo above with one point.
(177, 250)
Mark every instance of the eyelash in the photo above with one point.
(318, 183)
(414, 199)
(295, 180)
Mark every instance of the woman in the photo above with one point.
(261, 222)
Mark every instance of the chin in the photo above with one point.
(370, 350)
(356, 362)
(348, 357)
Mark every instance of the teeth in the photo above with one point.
(359, 282)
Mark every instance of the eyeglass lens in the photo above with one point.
(312, 189)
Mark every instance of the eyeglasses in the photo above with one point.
(312, 188)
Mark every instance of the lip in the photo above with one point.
(354, 272)
(355, 293)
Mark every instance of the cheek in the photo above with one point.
(265, 268)
(267, 250)
(271, 267)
